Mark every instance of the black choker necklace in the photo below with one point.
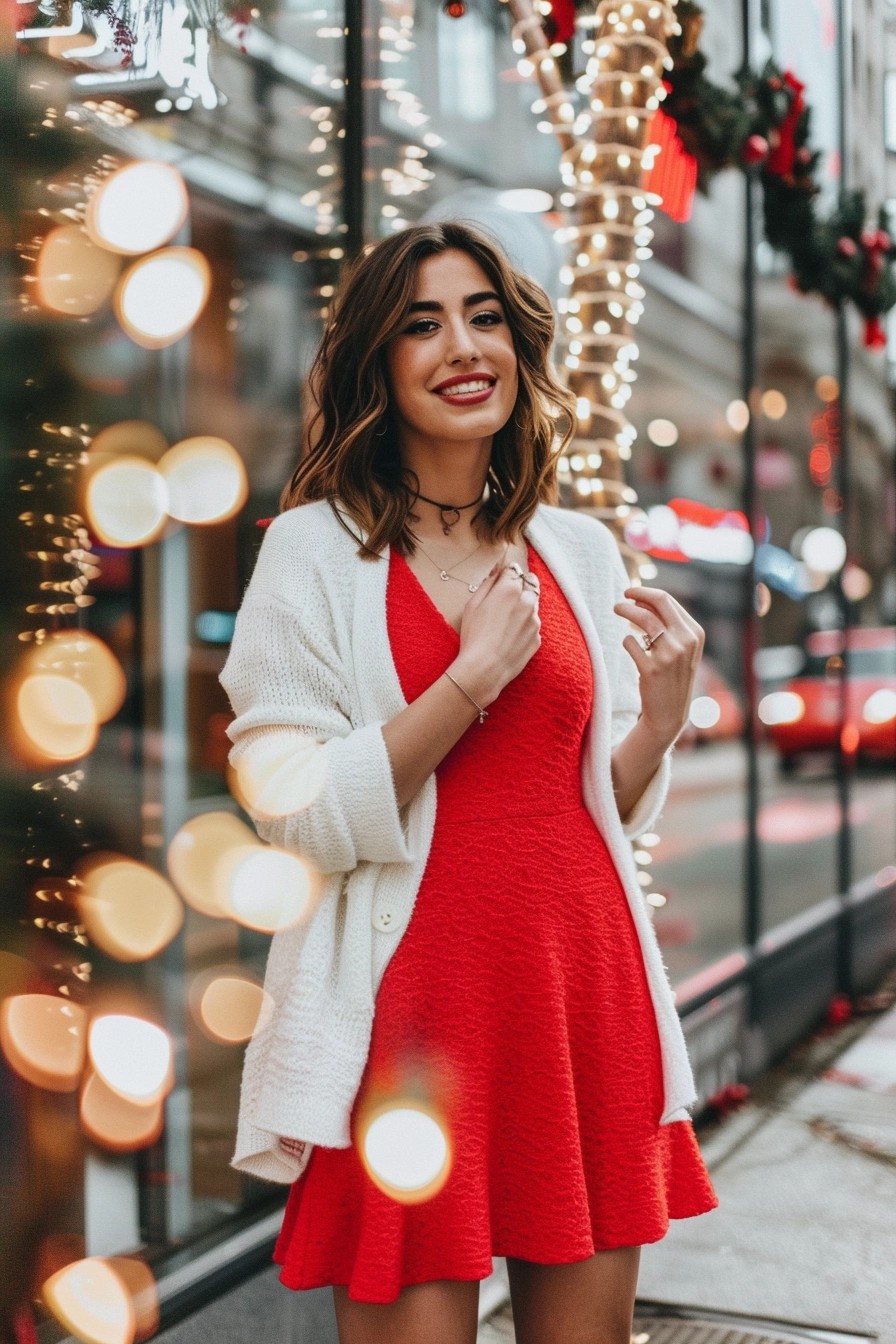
(450, 508)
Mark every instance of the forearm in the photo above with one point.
(420, 737)
(634, 763)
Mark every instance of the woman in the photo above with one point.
(434, 675)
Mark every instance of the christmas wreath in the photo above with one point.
(763, 125)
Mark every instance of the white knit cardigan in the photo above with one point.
(310, 675)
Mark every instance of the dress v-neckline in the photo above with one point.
(441, 615)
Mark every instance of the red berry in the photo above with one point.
(755, 149)
(847, 247)
(839, 1010)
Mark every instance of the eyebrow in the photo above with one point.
(431, 306)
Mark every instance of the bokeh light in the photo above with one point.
(762, 599)
(73, 275)
(84, 659)
(206, 480)
(138, 1279)
(116, 1123)
(227, 1006)
(135, 438)
(527, 200)
(267, 888)
(161, 296)
(138, 208)
(781, 707)
(57, 717)
(234, 787)
(91, 1301)
(281, 774)
(705, 712)
(827, 388)
(406, 1151)
(663, 433)
(856, 582)
(127, 502)
(880, 707)
(738, 416)
(824, 550)
(130, 911)
(44, 1038)
(194, 853)
(133, 1057)
(774, 404)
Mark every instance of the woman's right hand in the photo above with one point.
(499, 633)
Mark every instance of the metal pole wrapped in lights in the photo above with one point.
(612, 235)
(606, 150)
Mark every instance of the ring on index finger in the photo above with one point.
(531, 581)
(517, 571)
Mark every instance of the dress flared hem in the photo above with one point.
(687, 1193)
(456, 1274)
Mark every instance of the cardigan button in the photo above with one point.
(383, 919)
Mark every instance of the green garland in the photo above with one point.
(764, 125)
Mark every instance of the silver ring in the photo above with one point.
(517, 570)
(530, 581)
(649, 640)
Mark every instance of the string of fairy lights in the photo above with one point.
(603, 128)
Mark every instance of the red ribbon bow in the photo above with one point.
(783, 156)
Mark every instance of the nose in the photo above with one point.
(463, 345)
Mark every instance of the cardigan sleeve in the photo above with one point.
(315, 784)
(626, 708)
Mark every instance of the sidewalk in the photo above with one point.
(802, 1246)
(805, 1231)
(803, 1243)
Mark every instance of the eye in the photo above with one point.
(488, 319)
(423, 327)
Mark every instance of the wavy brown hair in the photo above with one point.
(351, 453)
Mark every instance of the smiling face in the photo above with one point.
(452, 368)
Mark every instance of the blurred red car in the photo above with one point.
(807, 715)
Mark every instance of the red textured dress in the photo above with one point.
(520, 992)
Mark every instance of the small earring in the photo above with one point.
(380, 433)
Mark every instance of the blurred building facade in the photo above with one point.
(775, 878)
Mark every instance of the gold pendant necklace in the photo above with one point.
(445, 574)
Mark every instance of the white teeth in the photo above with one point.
(462, 389)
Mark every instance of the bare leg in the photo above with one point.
(589, 1302)
(443, 1312)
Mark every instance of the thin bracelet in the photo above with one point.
(483, 713)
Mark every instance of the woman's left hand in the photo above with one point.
(668, 667)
